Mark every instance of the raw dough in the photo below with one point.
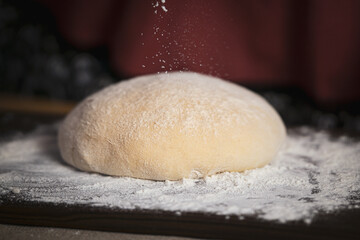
(170, 126)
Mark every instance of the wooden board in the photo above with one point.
(339, 225)
(342, 224)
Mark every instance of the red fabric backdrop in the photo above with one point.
(312, 44)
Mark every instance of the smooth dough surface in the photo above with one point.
(170, 126)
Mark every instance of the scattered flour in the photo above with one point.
(157, 4)
(313, 173)
(176, 52)
(160, 35)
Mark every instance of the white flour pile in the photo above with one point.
(313, 173)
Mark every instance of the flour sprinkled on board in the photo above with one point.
(312, 173)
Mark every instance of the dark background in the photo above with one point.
(36, 61)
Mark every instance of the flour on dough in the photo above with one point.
(170, 126)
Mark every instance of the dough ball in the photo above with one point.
(170, 126)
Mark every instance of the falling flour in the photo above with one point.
(157, 4)
(176, 51)
(313, 173)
